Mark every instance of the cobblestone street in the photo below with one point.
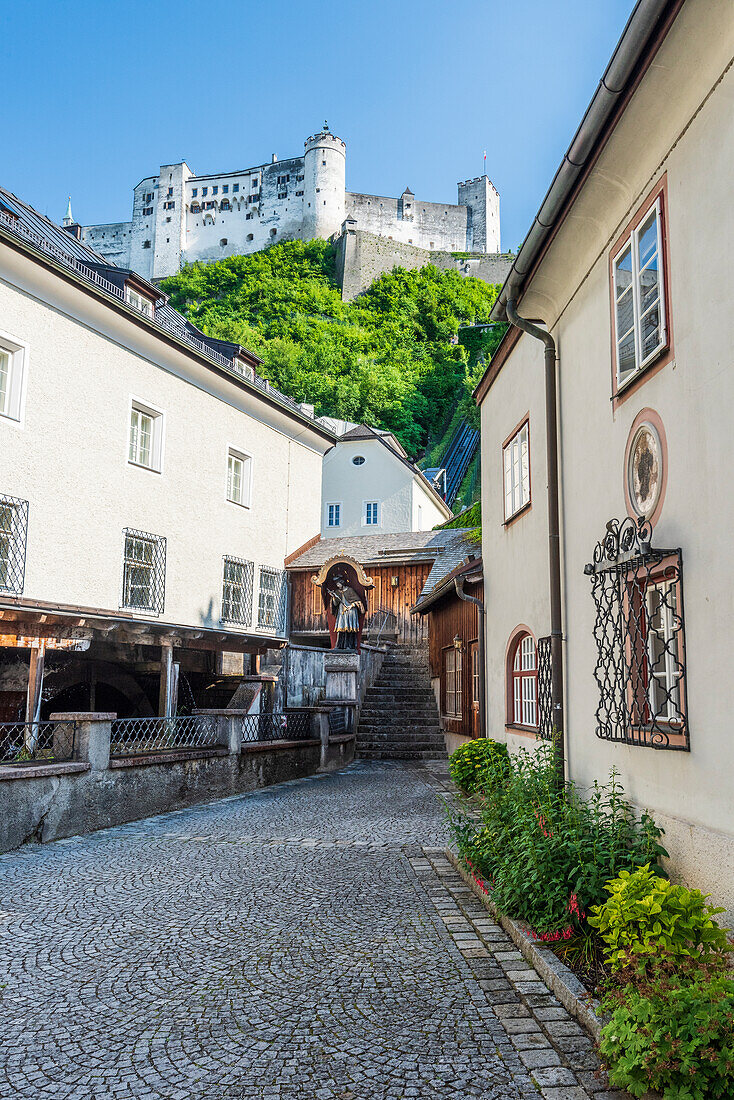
(306, 940)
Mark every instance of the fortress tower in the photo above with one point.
(325, 169)
(179, 217)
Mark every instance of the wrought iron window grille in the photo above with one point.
(545, 697)
(639, 630)
(272, 600)
(13, 539)
(237, 583)
(143, 571)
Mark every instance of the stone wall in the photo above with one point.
(44, 802)
(363, 257)
(410, 220)
(302, 678)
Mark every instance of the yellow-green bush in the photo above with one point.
(647, 916)
(478, 764)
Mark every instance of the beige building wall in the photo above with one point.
(678, 128)
(68, 456)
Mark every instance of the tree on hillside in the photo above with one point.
(384, 359)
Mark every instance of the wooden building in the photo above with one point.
(403, 567)
(453, 628)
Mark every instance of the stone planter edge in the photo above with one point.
(560, 980)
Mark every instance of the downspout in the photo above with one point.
(459, 586)
(554, 535)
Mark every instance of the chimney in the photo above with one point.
(273, 158)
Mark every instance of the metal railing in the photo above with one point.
(36, 742)
(131, 736)
(17, 229)
(279, 726)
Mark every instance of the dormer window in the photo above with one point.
(138, 301)
(245, 369)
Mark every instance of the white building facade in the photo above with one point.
(179, 217)
(149, 476)
(370, 487)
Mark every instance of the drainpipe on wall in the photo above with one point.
(459, 586)
(554, 534)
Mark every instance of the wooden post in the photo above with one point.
(33, 697)
(164, 696)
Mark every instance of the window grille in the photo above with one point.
(271, 607)
(237, 591)
(640, 638)
(13, 538)
(545, 696)
(143, 571)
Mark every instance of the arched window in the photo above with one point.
(524, 682)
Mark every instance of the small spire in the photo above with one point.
(326, 127)
(68, 216)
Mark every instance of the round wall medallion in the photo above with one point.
(645, 470)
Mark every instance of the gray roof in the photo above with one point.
(455, 552)
(446, 549)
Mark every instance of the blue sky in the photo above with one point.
(99, 93)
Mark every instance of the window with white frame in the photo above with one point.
(663, 656)
(12, 364)
(237, 591)
(239, 478)
(143, 571)
(333, 515)
(271, 599)
(525, 683)
(517, 471)
(639, 297)
(138, 301)
(371, 513)
(13, 535)
(146, 436)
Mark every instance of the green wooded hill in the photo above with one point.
(385, 359)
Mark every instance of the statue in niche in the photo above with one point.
(348, 608)
(344, 595)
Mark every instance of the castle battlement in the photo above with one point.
(179, 217)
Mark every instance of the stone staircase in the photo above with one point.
(399, 718)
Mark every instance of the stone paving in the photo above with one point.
(307, 940)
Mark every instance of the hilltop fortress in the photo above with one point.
(179, 217)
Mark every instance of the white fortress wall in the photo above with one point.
(181, 218)
(412, 221)
(111, 240)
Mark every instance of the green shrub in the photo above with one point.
(546, 853)
(646, 915)
(478, 764)
(675, 1034)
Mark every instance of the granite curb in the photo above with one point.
(570, 991)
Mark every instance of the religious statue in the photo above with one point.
(346, 606)
(344, 588)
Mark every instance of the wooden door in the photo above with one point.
(474, 674)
